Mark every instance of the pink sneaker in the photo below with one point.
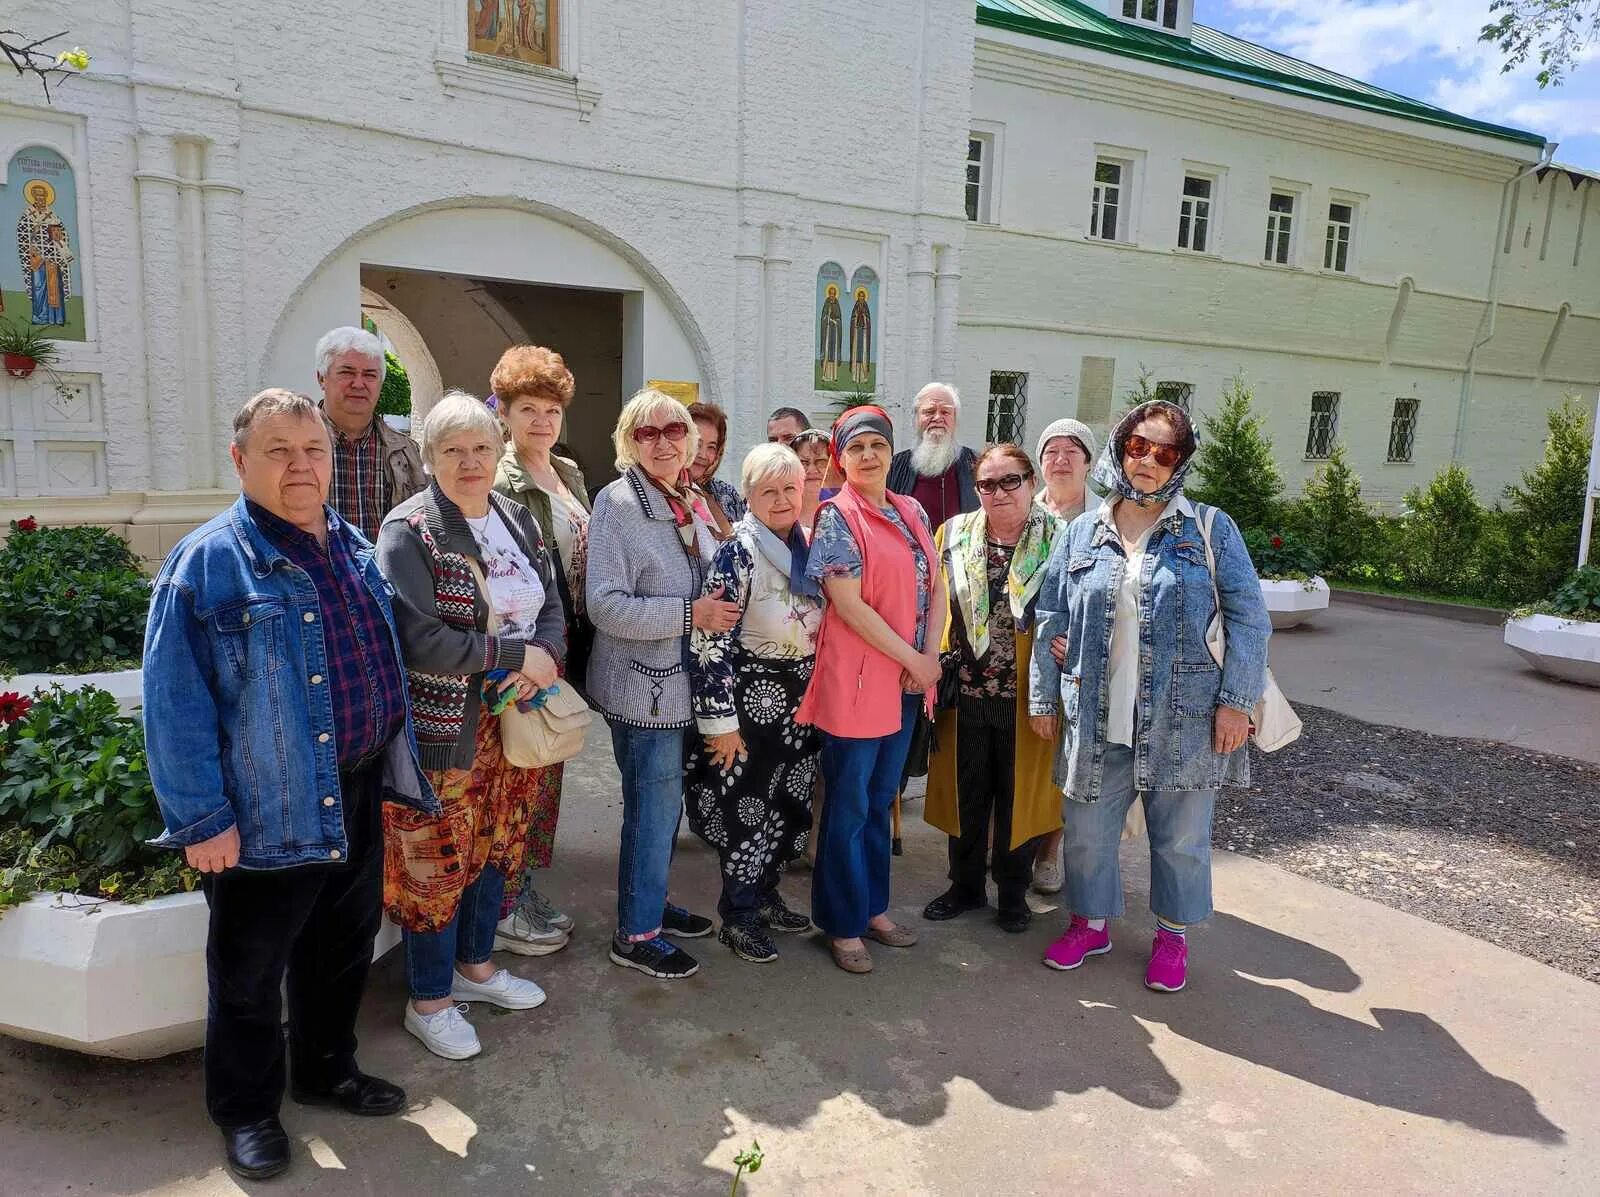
(1169, 962)
(1079, 940)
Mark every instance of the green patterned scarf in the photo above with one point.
(967, 540)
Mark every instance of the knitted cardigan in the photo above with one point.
(423, 549)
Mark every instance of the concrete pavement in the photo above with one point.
(1433, 675)
(1325, 1044)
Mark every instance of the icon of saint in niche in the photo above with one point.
(860, 338)
(830, 335)
(45, 254)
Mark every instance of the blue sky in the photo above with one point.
(1427, 49)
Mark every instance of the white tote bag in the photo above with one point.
(1274, 723)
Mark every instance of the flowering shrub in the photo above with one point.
(1280, 556)
(69, 597)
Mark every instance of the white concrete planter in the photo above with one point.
(111, 978)
(1291, 603)
(1568, 649)
(125, 685)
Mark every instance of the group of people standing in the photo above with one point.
(326, 661)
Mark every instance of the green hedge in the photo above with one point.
(70, 598)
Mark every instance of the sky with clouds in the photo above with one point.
(1427, 49)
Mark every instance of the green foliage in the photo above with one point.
(1332, 516)
(1545, 513)
(1442, 533)
(1559, 29)
(1579, 596)
(69, 597)
(29, 340)
(1280, 555)
(849, 399)
(1235, 469)
(77, 804)
(748, 1160)
(395, 397)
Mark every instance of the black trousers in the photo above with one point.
(315, 922)
(986, 757)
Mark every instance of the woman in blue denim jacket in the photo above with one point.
(1148, 713)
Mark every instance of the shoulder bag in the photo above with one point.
(1273, 724)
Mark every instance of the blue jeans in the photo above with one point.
(850, 881)
(431, 956)
(651, 762)
(1180, 846)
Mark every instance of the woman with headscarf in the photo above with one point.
(877, 662)
(716, 502)
(811, 447)
(1148, 714)
(1066, 450)
(986, 765)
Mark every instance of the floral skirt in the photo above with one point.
(429, 860)
(758, 814)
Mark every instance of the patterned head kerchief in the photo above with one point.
(1108, 474)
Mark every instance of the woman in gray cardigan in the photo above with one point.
(458, 556)
(647, 560)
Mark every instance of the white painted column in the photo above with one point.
(157, 185)
(946, 284)
(919, 316)
(749, 263)
(777, 383)
(199, 420)
(222, 200)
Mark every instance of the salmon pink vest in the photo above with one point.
(855, 689)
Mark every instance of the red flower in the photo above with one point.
(27, 524)
(13, 706)
(1277, 542)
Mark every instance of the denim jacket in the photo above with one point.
(238, 729)
(1180, 686)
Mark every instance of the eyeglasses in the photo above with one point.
(647, 434)
(1165, 453)
(1007, 483)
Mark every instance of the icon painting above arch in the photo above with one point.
(846, 324)
(517, 30)
(43, 284)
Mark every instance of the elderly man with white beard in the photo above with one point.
(937, 471)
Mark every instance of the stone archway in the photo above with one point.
(409, 347)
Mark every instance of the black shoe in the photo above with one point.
(655, 958)
(358, 1093)
(748, 941)
(1014, 921)
(775, 913)
(952, 904)
(675, 920)
(257, 1150)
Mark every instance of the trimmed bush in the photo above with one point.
(1545, 513)
(1442, 534)
(395, 397)
(1235, 469)
(1334, 519)
(69, 598)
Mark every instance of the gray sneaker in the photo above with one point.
(527, 936)
(538, 907)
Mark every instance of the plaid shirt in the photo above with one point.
(360, 491)
(367, 687)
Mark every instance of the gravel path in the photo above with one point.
(1499, 842)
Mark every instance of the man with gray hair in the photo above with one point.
(276, 722)
(375, 468)
(937, 471)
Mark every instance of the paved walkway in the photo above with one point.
(1326, 1044)
(1433, 675)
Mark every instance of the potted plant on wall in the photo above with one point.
(1561, 636)
(1290, 584)
(25, 348)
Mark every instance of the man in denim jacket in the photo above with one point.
(277, 721)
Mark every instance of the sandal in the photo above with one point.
(894, 937)
(853, 961)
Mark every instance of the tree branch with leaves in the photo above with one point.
(32, 58)
(1557, 30)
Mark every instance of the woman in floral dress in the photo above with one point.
(751, 777)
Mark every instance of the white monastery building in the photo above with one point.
(764, 204)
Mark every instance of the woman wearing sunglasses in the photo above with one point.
(1148, 714)
(647, 562)
(986, 765)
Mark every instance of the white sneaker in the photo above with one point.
(445, 1032)
(1047, 876)
(528, 936)
(502, 989)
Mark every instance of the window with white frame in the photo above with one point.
(1280, 228)
(1324, 426)
(1194, 213)
(1403, 428)
(1108, 211)
(980, 151)
(1161, 13)
(1179, 393)
(1341, 228)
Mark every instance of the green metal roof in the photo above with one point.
(1211, 52)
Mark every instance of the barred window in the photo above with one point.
(1324, 428)
(1008, 406)
(1178, 393)
(1403, 428)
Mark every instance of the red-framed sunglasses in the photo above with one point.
(647, 434)
(1165, 452)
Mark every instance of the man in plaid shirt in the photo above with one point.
(374, 467)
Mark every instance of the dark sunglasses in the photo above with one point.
(1165, 453)
(645, 434)
(1007, 483)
